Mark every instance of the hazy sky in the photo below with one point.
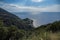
(34, 9)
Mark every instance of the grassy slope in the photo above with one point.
(45, 32)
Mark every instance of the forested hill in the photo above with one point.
(14, 28)
(9, 19)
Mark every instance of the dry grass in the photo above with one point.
(54, 36)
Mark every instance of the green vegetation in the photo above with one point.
(11, 19)
(50, 31)
(12, 32)
(13, 28)
(45, 32)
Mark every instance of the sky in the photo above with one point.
(33, 8)
(31, 5)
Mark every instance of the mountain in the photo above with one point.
(9, 19)
(13, 28)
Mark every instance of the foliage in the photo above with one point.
(13, 28)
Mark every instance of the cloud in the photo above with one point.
(52, 8)
(37, 0)
(33, 10)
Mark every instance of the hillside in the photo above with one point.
(14, 28)
(49, 31)
(9, 19)
(54, 27)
